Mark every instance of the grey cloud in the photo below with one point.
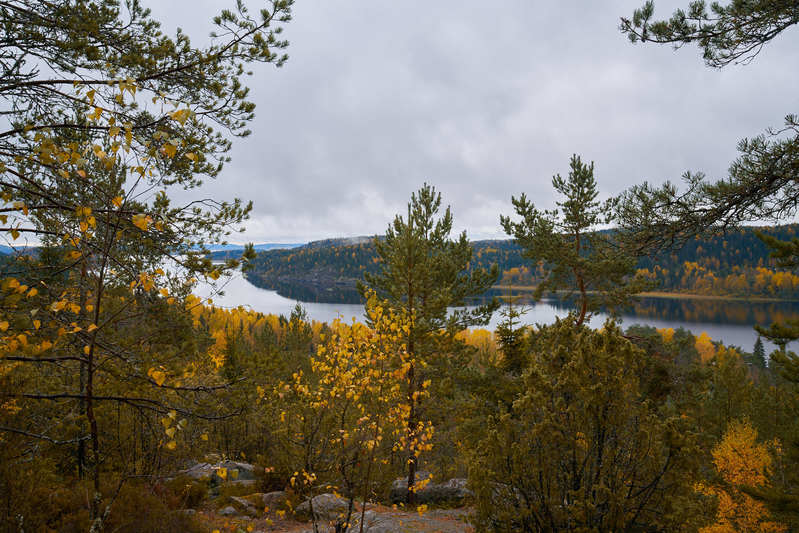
(482, 99)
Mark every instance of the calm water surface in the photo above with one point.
(727, 321)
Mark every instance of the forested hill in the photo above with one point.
(731, 264)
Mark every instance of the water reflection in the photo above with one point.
(729, 321)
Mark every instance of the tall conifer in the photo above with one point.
(425, 272)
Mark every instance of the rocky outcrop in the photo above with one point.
(453, 492)
(244, 505)
(326, 507)
(233, 471)
(274, 500)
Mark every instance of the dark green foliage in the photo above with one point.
(780, 333)
(762, 181)
(512, 337)
(759, 353)
(581, 448)
(423, 271)
(732, 33)
(577, 257)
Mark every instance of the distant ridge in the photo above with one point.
(340, 241)
(259, 247)
(735, 263)
(221, 252)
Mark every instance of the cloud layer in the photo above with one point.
(482, 99)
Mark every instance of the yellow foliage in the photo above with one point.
(141, 221)
(704, 345)
(740, 460)
(667, 334)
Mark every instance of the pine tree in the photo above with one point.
(762, 181)
(577, 255)
(727, 34)
(424, 273)
(759, 353)
(511, 336)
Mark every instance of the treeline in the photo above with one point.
(735, 263)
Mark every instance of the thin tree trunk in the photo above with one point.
(580, 282)
(411, 426)
(82, 371)
(412, 463)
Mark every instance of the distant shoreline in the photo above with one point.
(670, 295)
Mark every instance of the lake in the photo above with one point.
(730, 321)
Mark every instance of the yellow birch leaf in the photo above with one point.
(37, 324)
(3, 325)
(180, 115)
(117, 201)
(158, 376)
(141, 222)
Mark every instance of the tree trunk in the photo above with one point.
(411, 496)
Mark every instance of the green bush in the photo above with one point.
(581, 448)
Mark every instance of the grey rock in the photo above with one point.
(228, 511)
(274, 500)
(245, 482)
(236, 471)
(244, 505)
(325, 507)
(453, 491)
(199, 471)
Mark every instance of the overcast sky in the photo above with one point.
(483, 100)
